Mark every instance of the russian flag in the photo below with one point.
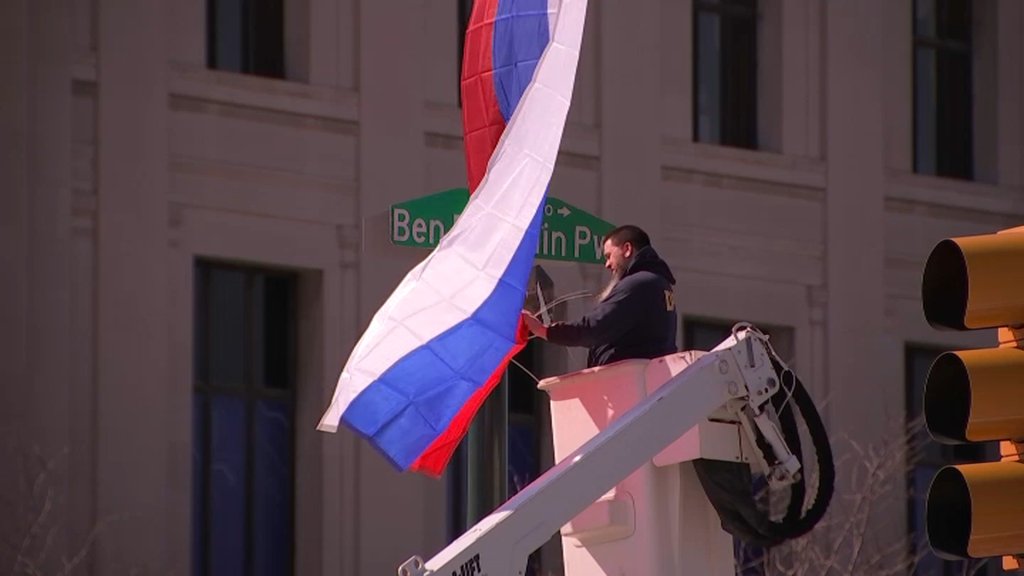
(440, 343)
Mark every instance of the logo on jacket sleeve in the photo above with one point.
(670, 301)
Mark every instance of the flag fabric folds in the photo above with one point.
(440, 343)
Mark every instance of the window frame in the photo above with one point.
(731, 132)
(251, 393)
(940, 46)
(252, 51)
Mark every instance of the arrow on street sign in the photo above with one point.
(568, 233)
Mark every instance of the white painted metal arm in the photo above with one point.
(737, 375)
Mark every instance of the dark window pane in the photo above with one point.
(925, 115)
(266, 41)
(725, 73)
(243, 477)
(227, 485)
(739, 82)
(943, 85)
(457, 493)
(947, 20)
(199, 439)
(226, 34)
(954, 20)
(522, 452)
(524, 467)
(700, 335)
(924, 18)
(742, 7)
(522, 381)
(226, 318)
(246, 36)
(954, 115)
(709, 93)
(272, 489)
(273, 303)
(965, 453)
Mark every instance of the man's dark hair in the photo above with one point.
(629, 233)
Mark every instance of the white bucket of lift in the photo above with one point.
(658, 520)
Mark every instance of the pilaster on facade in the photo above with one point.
(854, 209)
(132, 362)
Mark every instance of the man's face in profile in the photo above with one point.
(616, 258)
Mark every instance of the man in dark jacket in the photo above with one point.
(636, 314)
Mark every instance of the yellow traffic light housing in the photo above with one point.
(976, 396)
(975, 282)
(977, 515)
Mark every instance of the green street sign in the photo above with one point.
(421, 222)
(567, 233)
(570, 234)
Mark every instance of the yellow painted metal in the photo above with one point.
(997, 393)
(1010, 450)
(976, 396)
(996, 508)
(975, 282)
(974, 510)
(1011, 337)
(995, 273)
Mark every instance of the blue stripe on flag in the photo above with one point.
(415, 400)
(521, 34)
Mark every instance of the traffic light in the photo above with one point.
(971, 283)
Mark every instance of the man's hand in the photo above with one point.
(536, 326)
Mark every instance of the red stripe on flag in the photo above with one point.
(436, 456)
(482, 123)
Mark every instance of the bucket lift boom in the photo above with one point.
(738, 376)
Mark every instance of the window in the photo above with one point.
(943, 86)
(246, 36)
(925, 458)
(725, 72)
(465, 11)
(705, 334)
(243, 421)
(471, 494)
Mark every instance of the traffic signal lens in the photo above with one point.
(948, 514)
(975, 282)
(944, 289)
(947, 399)
(974, 510)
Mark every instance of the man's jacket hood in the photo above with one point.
(647, 260)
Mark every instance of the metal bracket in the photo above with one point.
(412, 567)
(755, 364)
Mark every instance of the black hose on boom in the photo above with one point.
(734, 491)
